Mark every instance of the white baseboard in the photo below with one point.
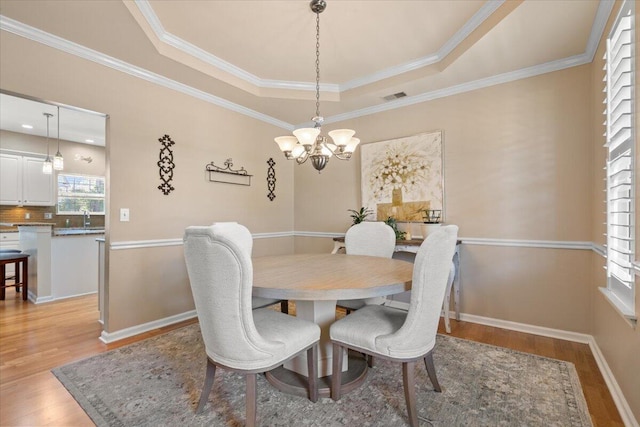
(50, 298)
(38, 300)
(621, 403)
(109, 338)
(529, 329)
(626, 414)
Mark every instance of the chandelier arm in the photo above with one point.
(302, 158)
(343, 156)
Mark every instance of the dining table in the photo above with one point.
(315, 282)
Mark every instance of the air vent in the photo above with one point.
(394, 96)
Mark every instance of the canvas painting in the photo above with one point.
(401, 177)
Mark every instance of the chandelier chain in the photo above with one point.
(317, 64)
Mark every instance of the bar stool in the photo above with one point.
(16, 270)
(10, 256)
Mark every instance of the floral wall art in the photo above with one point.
(400, 177)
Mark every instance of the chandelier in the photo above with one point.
(307, 143)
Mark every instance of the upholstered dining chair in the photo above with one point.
(237, 338)
(259, 302)
(397, 335)
(368, 238)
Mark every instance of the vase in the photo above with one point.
(426, 229)
(396, 197)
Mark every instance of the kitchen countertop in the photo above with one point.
(57, 232)
(32, 224)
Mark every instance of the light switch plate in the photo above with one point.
(124, 214)
(48, 215)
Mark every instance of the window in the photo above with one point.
(80, 193)
(620, 133)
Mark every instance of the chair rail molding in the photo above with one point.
(547, 244)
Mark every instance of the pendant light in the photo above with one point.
(58, 161)
(47, 166)
(308, 143)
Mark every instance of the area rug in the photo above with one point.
(157, 382)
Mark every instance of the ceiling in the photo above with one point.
(75, 125)
(258, 57)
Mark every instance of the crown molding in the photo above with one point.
(189, 48)
(478, 18)
(37, 35)
(533, 71)
(597, 29)
(174, 41)
(604, 10)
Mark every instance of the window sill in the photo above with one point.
(626, 312)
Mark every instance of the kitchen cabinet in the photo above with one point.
(74, 265)
(23, 183)
(9, 240)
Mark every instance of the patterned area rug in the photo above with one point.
(157, 382)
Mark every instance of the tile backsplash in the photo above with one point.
(37, 214)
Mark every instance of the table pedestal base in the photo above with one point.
(296, 384)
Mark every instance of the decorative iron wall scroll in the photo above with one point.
(400, 177)
(228, 175)
(166, 165)
(271, 179)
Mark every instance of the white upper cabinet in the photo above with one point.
(23, 183)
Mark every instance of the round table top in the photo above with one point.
(329, 276)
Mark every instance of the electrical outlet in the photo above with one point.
(48, 215)
(124, 214)
(27, 216)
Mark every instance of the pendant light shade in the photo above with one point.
(47, 166)
(58, 161)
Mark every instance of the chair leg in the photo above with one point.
(251, 400)
(2, 281)
(431, 370)
(312, 367)
(16, 276)
(408, 377)
(284, 307)
(208, 384)
(336, 372)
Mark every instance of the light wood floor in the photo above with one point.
(37, 338)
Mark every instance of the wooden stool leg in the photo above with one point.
(25, 279)
(2, 281)
(16, 269)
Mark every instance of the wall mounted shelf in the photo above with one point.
(228, 175)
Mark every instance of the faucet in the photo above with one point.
(86, 218)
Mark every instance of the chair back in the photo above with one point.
(430, 274)
(370, 238)
(218, 259)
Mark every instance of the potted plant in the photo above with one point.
(391, 222)
(360, 215)
(432, 219)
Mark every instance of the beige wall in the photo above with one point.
(150, 283)
(617, 340)
(517, 166)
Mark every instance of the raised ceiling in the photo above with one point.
(258, 57)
